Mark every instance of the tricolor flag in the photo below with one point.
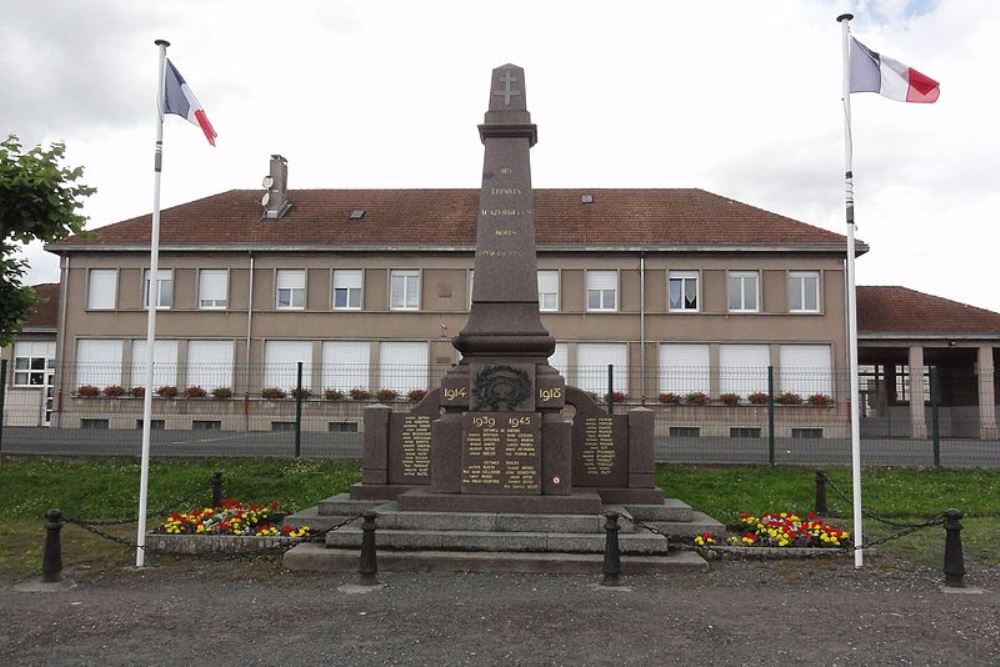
(875, 73)
(178, 99)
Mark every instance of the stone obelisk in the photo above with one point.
(504, 321)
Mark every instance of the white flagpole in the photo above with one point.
(152, 301)
(852, 294)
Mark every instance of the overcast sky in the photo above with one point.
(725, 96)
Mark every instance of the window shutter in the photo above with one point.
(403, 366)
(98, 362)
(346, 364)
(592, 366)
(684, 368)
(210, 363)
(743, 369)
(103, 288)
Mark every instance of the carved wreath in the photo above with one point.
(501, 384)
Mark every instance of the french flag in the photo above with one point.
(178, 99)
(875, 73)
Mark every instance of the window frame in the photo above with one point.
(159, 291)
(742, 276)
(558, 296)
(802, 274)
(201, 301)
(406, 273)
(334, 288)
(685, 275)
(90, 287)
(587, 290)
(291, 295)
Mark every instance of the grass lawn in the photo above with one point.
(108, 489)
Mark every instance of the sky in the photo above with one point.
(724, 96)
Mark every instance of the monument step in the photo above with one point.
(466, 540)
(316, 521)
(699, 523)
(309, 557)
(390, 517)
(424, 500)
(343, 505)
(671, 509)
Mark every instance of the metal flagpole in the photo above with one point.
(152, 301)
(852, 295)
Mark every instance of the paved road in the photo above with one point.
(722, 451)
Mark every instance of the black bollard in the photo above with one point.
(820, 507)
(612, 554)
(52, 557)
(954, 561)
(368, 567)
(216, 489)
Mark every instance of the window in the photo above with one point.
(807, 433)
(102, 289)
(94, 424)
(559, 358)
(743, 369)
(805, 370)
(404, 290)
(685, 431)
(164, 289)
(403, 366)
(282, 426)
(31, 361)
(206, 425)
(744, 432)
(743, 291)
(346, 364)
(592, 366)
(684, 368)
(164, 363)
(683, 291)
(548, 291)
(472, 283)
(281, 359)
(210, 364)
(602, 290)
(213, 289)
(290, 286)
(154, 424)
(347, 286)
(342, 427)
(98, 362)
(803, 292)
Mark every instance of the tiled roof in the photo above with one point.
(898, 310)
(46, 313)
(674, 217)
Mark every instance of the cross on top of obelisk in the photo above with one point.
(507, 93)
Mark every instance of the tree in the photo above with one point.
(39, 200)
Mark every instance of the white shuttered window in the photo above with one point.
(684, 368)
(347, 285)
(213, 289)
(743, 369)
(602, 290)
(548, 291)
(102, 289)
(210, 364)
(281, 359)
(290, 288)
(164, 363)
(592, 366)
(98, 362)
(346, 364)
(403, 366)
(806, 370)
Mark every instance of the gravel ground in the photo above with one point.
(237, 612)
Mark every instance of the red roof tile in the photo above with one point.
(46, 313)
(674, 217)
(898, 310)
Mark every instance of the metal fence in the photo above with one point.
(703, 415)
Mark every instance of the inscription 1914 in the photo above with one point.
(415, 438)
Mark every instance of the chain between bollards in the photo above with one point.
(954, 561)
(216, 489)
(52, 556)
(612, 553)
(368, 566)
(820, 506)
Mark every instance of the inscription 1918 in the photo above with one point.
(598, 446)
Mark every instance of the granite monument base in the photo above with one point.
(424, 500)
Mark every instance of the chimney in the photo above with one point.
(275, 201)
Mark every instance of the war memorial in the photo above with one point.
(503, 466)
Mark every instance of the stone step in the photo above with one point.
(424, 500)
(343, 505)
(671, 509)
(699, 523)
(310, 557)
(390, 517)
(460, 540)
(316, 521)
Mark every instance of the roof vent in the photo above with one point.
(357, 214)
(586, 199)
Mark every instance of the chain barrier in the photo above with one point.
(872, 515)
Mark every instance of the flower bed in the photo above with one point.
(778, 535)
(232, 518)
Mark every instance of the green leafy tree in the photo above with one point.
(40, 200)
